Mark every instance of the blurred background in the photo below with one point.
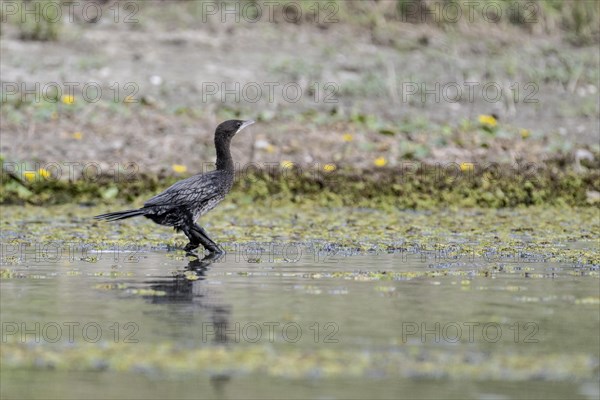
(360, 84)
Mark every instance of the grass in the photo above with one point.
(38, 20)
(578, 21)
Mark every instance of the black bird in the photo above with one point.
(181, 204)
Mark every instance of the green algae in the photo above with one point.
(421, 186)
(507, 238)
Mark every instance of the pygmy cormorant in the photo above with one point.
(181, 204)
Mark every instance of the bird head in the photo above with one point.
(229, 128)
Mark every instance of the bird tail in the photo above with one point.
(114, 216)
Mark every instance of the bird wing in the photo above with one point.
(193, 190)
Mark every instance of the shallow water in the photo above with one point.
(403, 325)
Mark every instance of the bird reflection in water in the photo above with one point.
(189, 293)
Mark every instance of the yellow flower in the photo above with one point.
(77, 135)
(467, 167)
(329, 167)
(130, 99)
(270, 148)
(29, 175)
(525, 133)
(178, 168)
(68, 100)
(44, 173)
(287, 164)
(32, 175)
(488, 120)
(347, 137)
(380, 162)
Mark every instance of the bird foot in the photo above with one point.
(190, 247)
(215, 250)
(212, 250)
(200, 265)
(213, 257)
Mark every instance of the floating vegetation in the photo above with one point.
(168, 358)
(509, 241)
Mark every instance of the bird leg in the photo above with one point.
(194, 241)
(206, 241)
(198, 236)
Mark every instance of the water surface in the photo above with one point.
(400, 325)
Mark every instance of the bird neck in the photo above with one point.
(224, 160)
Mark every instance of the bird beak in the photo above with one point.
(245, 124)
